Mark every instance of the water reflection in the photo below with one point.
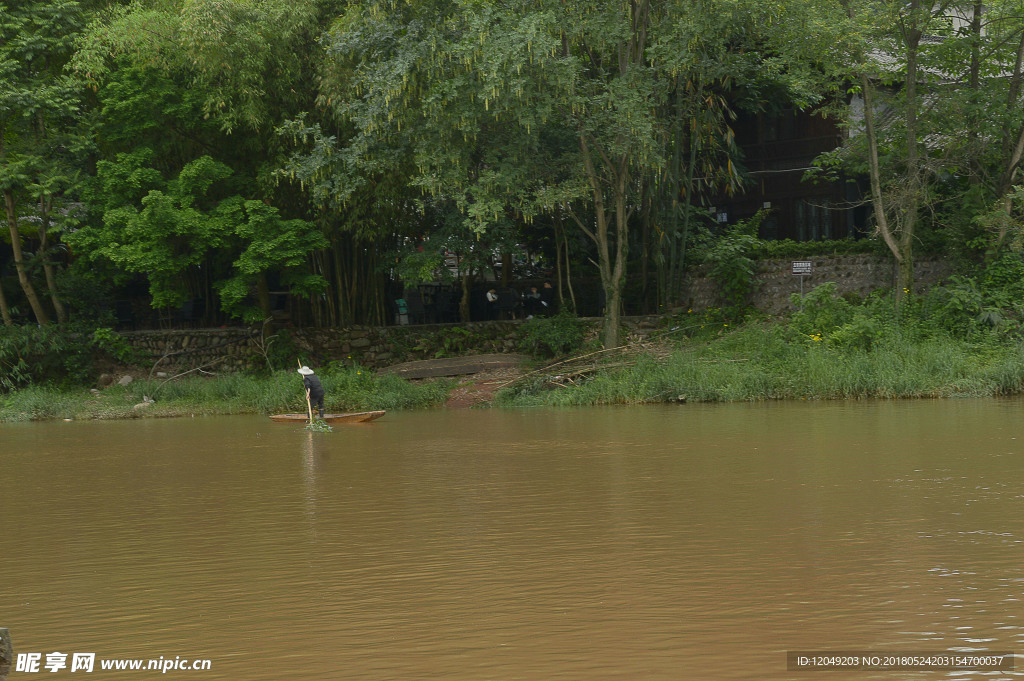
(658, 543)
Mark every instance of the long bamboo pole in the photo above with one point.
(309, 405)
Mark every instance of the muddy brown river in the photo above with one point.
(677, 542)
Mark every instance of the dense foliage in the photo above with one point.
(207, 158)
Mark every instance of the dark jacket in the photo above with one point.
(312, 384)
(548, 302)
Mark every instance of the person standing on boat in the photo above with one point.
(314, 389)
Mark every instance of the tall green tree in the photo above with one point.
(169, 230)
(946, 78)
(550, 107)
(188, 81)
(40, 142)
(985, 51)
(365, 209)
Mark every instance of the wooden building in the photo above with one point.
(779, 151)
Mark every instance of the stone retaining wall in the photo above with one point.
(860, 274)
(233, 349)
(179, 350)
(239, 348)
(374, 347)
(236, 349)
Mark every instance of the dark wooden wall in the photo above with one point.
(778, 151)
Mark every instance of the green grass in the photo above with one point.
(352, 389)
(758, 362)
(831, 350)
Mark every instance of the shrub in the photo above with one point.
(47, 354)
(862, 332)
(730, 261)
(552, 336)
(112, 343)
(787, 248)
(986, 304)
(820, 313)
(279, 349)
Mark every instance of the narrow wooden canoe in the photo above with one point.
(357, 417)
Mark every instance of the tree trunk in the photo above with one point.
(464, 311)
(558, 261)
(563, 270)
(691, 169)
(973, 83)
(5, 312)
(19, 262)
(1013, 140)
(898, 235)
(1013, 145)
(613, 337)
(263, 294)
(675, 189)
(874, 172)
(568, 276)
(338, 299)
(905, 280)
(51, 278)
(645, 251)
(613, 302)
(614, 178)
(599, 235)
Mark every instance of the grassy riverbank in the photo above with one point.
(961, 340)
(754, 363)
(833, 348)
(347, 390)
(758, 361)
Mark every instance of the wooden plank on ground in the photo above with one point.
(453, 366)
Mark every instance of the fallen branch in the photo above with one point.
(200, 368)
(716, 361)
(591, 369)
(545, 369)
(621, 348)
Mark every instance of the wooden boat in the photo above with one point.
(356, 417)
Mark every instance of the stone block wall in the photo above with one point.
(239, 348)
(235, 349)
(221, 349)
(860, 274)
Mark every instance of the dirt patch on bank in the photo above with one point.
(479, 389)
(478, 376)
(455, 366)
